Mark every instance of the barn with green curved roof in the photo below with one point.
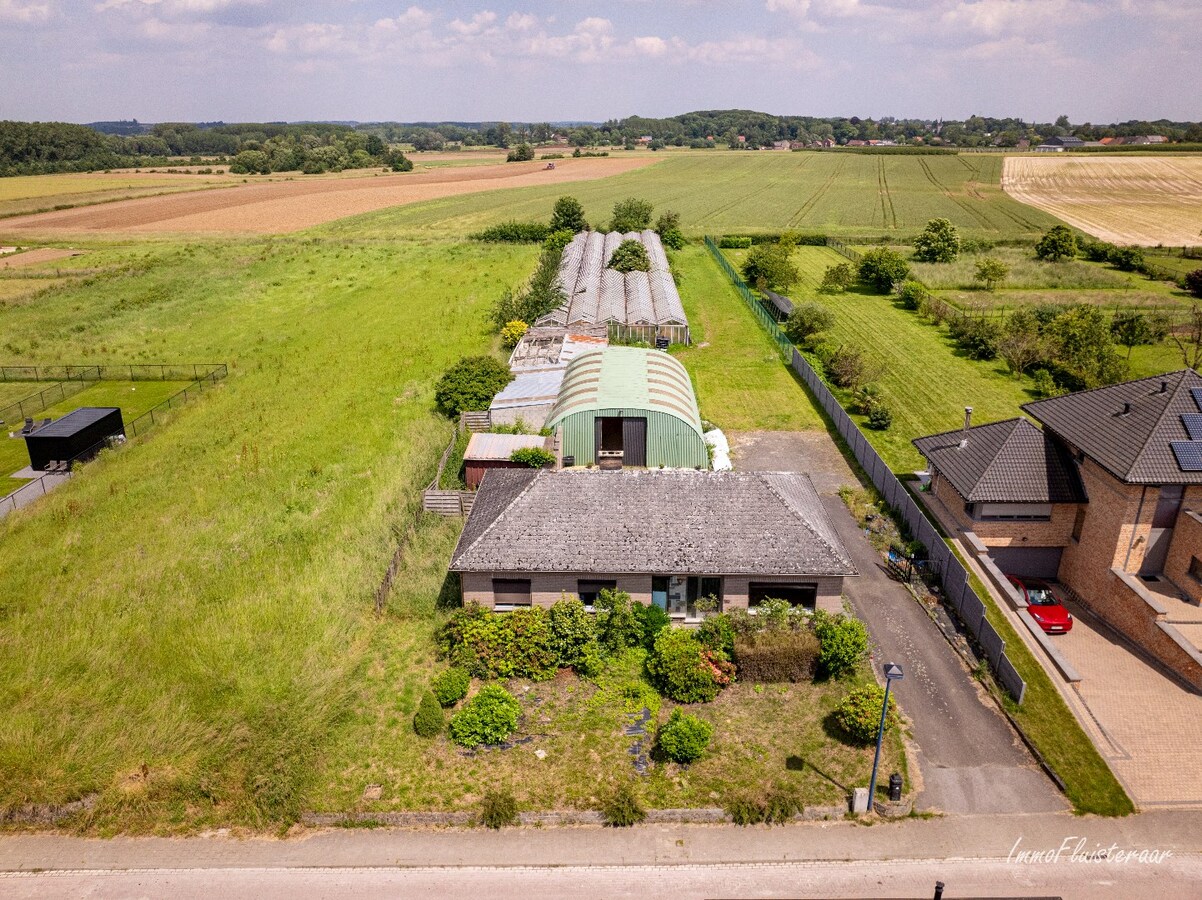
(626, 406)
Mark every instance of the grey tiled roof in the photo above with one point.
(1004, 462)
(661, 522)
(1132, 445)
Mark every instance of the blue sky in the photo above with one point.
(531, 60)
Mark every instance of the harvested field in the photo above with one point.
(281, 207)
(33, 257)
(1133, 200)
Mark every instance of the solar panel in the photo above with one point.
(1189, 455)
(1197, 392)
(1193, 425)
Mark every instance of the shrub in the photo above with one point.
(450, 686)
(1044, 385)
(858, 715)
(837, 279)
(745, 811)
(844, 642)
(866, 398)
(618, 625)
(541, 294)
(882, 268)
(557, 240)
(717, 634)
(781, 806)
(912, 294)
(534, 457)
(631, 214)
(777, 656)
(429, 720)
(471, 384)
(684, 737)
(520, 153)
(807, 320)
(975, 245)
(568, 215)
(630, 256)
(976, 336)
(939, 242)
(498, 809)
(733, 242)
(848, 367)
(574, 637)
(488, 718)
(680, 668)
(1057, 244)
(513, 232)
(991, 272)
(768, 267)
(653, 620)
(622, 808)
(668, 228)
(495, 645)
(880, 418)
(512, 333)
(1193, 282)
(1128, 259)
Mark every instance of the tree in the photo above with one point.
(374, 145)
(1021, 345)
(768, 267)
(630, 256)
(568, 215)
(1189, 339)
(398, 161)
(1193, 282)
(631, 214)
(807, 320)
(520, 153)
(1131, 328)
(882, 268)
(1080, 342)
(991, 272)
(836, 279)
(938, 243)
(471, 384)
(1057, 244)
(668, 228)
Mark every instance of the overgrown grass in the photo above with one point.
(1027, 272)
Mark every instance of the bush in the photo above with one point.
(618, 625)
(837, 279)
(768, 267)
(520, 153)
(858, 715)
(844, 643)
(557, 240)
(512, 333)
(631, 214)
(514, 232)
(568, 215)
(913, 294)
(574, 637)
(938, 243)
(1057, 244)
(488, 718)
(630, 256)
(471, 384)
(653, 620)
(450, 686)
(745, 811)
(541, 294)
(880, 418)
(848, 367)
(777, 656)
(681, 668)
(622, 808)
(668, 228)
(977, 337)
(683, 738)
(733, 242)
(498, 809)
(500, 645)
(717, 634)
(1044, 385)
(429, 720)
(882, 268)
(807, 320)
(534, 457)
(1128, 259)
(1193, 282)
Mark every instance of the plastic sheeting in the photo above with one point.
(720, 458)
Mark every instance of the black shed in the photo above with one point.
(76, 434)
(779, 306)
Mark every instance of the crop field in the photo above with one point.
(293, 204)
(26, 194)
(1128, 200)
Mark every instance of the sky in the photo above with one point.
(580, 60)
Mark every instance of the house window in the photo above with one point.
(711, 587)
(1079, 524)
(796, 593)
(1013, 512)
(510, 593)
(587, 590)
(1195, 568)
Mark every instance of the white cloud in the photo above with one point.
(994, 17)
(17, 13)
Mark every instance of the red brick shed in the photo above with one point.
(492, 451)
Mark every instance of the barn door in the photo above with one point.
(634, 441)
(597, 440)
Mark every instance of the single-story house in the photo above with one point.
(492, 451)
(668, 538)
(78, 435)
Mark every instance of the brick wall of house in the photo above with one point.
(1187, 544)
(1055, 533)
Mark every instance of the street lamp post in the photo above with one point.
(893, 672)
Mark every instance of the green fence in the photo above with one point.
(783, 344)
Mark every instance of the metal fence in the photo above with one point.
(954, 578)
(783, 344)
(844, 250)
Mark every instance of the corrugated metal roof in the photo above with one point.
(75, 421)
(484, 446)
(530, 388)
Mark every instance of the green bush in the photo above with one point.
(734, 242)
(520, 153)
(622, 808)
(806, 321)
(858, 715)
(849, 367)
(630, 256)
(574, 637)
(618, 625)
(631, 214)
(938, 243)
(837, 278)
(517, 644)
(450, 686)
(514, 232)
(471, 384)
(991, 272)
(912, 294)
(781, 806)
(683, 738)
(844, 643)
(1057, 244)
(668, 228)
(717, 634)
(653, 620)
(882, 268)
(1044, 385)
(1128, 259)
(880, 418)
(557, 240)
(488, 718)
(1193, 282)
(568, 215)
(534, 457)
(541, 294)
(429, 719)
(977, 337)
(775, 657)
(745, 811)
(681, 668)
(498, 809)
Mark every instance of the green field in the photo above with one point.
(717, 191)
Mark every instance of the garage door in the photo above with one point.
(1034, 562)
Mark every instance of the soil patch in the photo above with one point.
(33, 257)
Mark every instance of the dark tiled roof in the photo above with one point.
(660, 522)
(1004, 462)
(1132, 445)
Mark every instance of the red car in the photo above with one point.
(1042, 605)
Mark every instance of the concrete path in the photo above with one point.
(971, 760)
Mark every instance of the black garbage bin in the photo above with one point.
(895, 787)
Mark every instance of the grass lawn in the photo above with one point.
(12, 391)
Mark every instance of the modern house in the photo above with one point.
(627, 406)
(668, 538)
(1106, 498)
(78, 435)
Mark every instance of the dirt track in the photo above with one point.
(1128, 200)
(281, 207)
(33, 257)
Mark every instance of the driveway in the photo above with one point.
(971, 761)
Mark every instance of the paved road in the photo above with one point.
(971, 760)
